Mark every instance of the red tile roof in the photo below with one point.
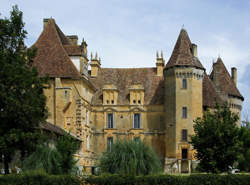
(51, 58)
(182, 54)
(226, 83)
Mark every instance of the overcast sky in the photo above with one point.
(127, 33)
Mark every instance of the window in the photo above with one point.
(109, 143)
(184, 135)
(137, 120)
(87, 142)
(184, 153)
(184, 83)
(136, 139)
(110, 120)
(184, 112)
(87, 117)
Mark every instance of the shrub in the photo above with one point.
(39, 178)
(200, 179)
(130, 158)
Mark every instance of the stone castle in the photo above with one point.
(156, 105)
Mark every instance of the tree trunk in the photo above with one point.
(6, 165)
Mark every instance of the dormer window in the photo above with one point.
(136, 94)
(110, 94)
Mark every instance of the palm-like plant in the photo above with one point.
(131, 158)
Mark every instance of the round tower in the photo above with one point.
(183, 76)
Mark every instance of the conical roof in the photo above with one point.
(182, 53)
(51, 58)
(226, 83)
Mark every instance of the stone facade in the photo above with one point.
(157, 105)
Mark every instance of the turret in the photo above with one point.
(183, 77)
(95, 65)
(160, 63)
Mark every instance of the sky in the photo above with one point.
(127, 33)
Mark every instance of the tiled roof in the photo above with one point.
(182, 54)
(51, 57)
(73, 50)
(55, 129)
(209, 94)
(226, 83)
(123, 78)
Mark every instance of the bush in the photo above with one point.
(199, 179)
(130, 158)
(39, 178)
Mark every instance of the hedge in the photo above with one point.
(39, 179)
(201, 179)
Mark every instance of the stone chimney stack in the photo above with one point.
(160, 63)
(95, 64)
(73, 39)
(45, 22)
(194, 50)
(234, 75)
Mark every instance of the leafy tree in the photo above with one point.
(22, 103)
(130, 158)
(67, 146)
(54, 158)
(45, 158)
(244, 157)
(216, 140)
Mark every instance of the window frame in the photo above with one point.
(184, 83)
(110, 141)
(107, 121)
(138, 126)
(184, 112)
(184, 135)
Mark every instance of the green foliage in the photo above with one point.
(39, 178)
(54, 159)
(200, 179)
(130, 158)
(67, 146)
(216, 140)
(244, 159)
(22, 103)
(45, 158)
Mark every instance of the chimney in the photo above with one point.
(160, 63)
(73, 39)
(95, 65)
(194, 50)
(45, 22)
(234, 75)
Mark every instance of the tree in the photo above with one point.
(130, 158)
(56, 158)
(216, 140)
(244, 157)
(22, 103)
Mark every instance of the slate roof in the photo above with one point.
(51, 58)
(182, 53)
(123, 78)
(226, 83)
